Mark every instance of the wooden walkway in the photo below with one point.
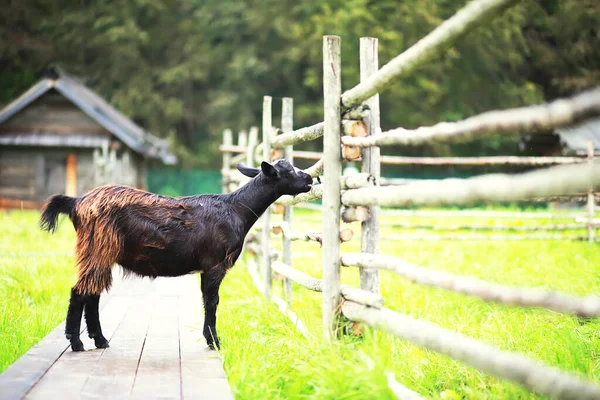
(157, 350)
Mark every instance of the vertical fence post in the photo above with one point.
(252, 142)
(225, 172)
(369, 65)
(332, 90)
(287, 125)
(591, 201)
(267, 126)
(243, 139)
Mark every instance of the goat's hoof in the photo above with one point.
(101, 343)
(77, 345)
(214, 345)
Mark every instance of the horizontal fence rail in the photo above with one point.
(298, 136)
(349, 293)
(493, 187)
(495, 160)
(481, 214)
(346, 234)
(513, 121)
(559, 227)
(316, 193)
(503, 364)
(476, 237)
(584, 307)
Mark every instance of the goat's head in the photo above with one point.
(286, 178)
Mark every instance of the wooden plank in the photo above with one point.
(157, 350)
(158, 373)
(114, 372)
(202, 374)
(67, 376)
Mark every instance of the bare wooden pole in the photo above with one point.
(590, 197)
(311, 283)
(332, 89)
(252, 142)
(369, 64)
(227, 141)
(267, 126)
(287, 125)
(243, 139)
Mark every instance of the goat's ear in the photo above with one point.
(250, 172)
(268, 169)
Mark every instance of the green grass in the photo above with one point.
(266, 358)
(36, 274)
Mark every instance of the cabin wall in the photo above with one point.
(30, 174)
(35, 173)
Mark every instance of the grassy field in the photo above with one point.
(265, 358)
(36, 274)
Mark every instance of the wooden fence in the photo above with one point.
(362, 196)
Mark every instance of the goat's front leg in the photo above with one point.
(210, 283)
(73, 323)
(92, 319)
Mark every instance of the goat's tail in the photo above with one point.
(57, 204)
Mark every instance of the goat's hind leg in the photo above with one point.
(73, 323)
(91, 282)
(92, 319)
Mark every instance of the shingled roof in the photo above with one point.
(96, 108)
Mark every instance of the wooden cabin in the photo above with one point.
(61, 137)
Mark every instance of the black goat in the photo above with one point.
(152, 235)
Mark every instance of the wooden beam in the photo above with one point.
(287, 125)
(267, 126)
(591, 201)
(371, 163)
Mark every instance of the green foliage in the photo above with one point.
(187, 70)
